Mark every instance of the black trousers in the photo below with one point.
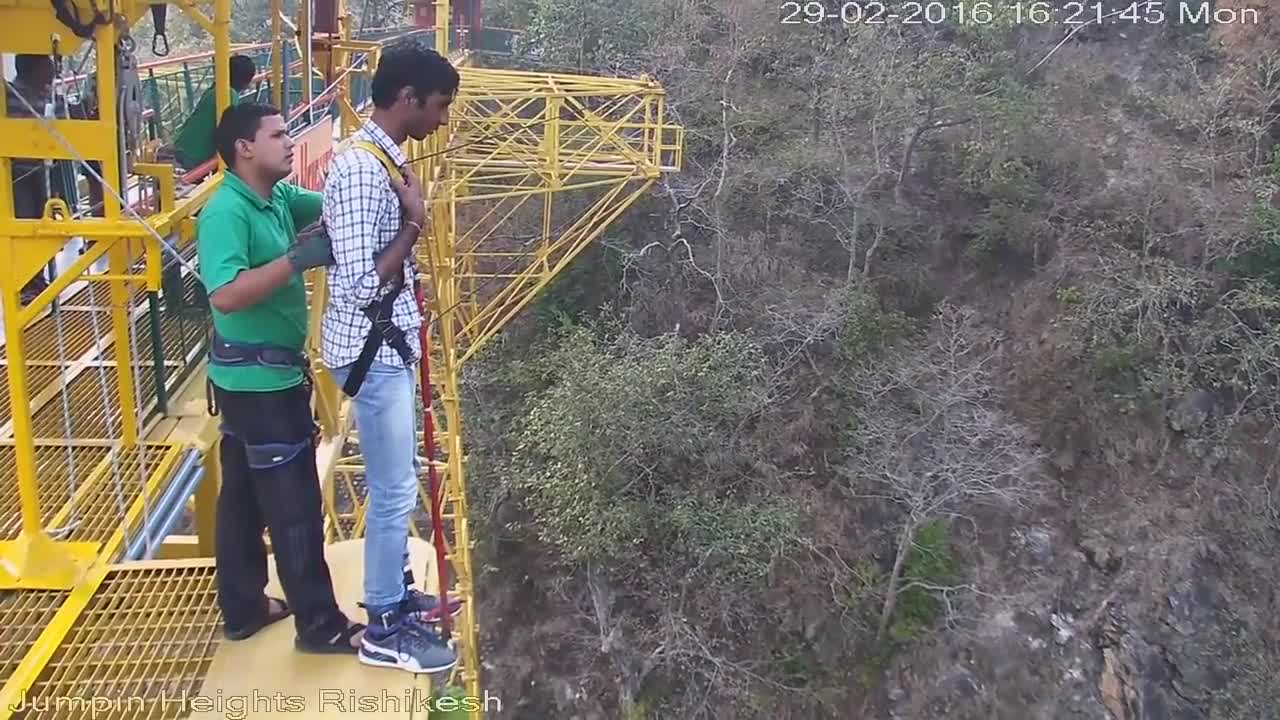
(286, 501)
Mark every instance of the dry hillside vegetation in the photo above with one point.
(942, 382)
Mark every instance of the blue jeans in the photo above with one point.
(386, 415)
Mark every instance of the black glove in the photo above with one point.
(312, 249)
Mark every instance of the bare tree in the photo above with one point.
(632, 663)
(933, 440)
(1262, 93)
(928, 123)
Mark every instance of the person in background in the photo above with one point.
(252, 269)
(33, 80)
(33, 182)
(193, 146)
(374, 211)
(86, 108)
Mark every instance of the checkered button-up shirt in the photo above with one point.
(362, 215)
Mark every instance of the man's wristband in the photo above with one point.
(416, 226)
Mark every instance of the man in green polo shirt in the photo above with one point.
(251, 267)
(194, 145)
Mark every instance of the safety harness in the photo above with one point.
(226, 353)
(265, 456)
(382, 330)
(242, 354)
(262, 456)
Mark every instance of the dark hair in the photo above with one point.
(242, 71)
(411, 65)
(24, 64)
(240, 122)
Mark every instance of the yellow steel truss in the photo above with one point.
(583, 149)
(33, 559)
(531, 169)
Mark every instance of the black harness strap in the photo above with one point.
(228, 353)
(383, 330)
(266, 456)
(237, 354)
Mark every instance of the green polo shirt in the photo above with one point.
(239, 230)
(195, 138)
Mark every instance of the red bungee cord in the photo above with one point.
(429, 443)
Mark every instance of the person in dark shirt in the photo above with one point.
(33, 81)
(34, 182)
(194, 144)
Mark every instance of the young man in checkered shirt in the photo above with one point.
(374, 218)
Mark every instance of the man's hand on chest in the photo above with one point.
(312, 249)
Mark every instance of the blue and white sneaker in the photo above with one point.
(397, 641)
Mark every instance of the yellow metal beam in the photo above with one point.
(221, 59)
(206, 500)
(305, 26)
(198, 17)
(30, 25)
(442, 27)
(42, 239)
(118, 258)
(106, 37)
(277, 59)
(33, 560)
(22, 138)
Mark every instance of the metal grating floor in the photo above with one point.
(53, 467)
(38, 377)
(145, 640)
(41, 339)
(94, 400)
(143, 644)
(24, 615)
(97, 512)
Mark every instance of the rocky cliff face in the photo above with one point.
(1097, 642)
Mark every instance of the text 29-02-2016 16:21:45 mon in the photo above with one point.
(1015, 12)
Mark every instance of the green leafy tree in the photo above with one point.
(592, 35)
(636, 465)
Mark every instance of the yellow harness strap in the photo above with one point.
(380, 154)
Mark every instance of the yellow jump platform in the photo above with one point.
(145, 643)
(265, 677)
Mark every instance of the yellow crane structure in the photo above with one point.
(108, 455)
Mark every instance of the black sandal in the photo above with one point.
(338, 642)
(267, 619)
